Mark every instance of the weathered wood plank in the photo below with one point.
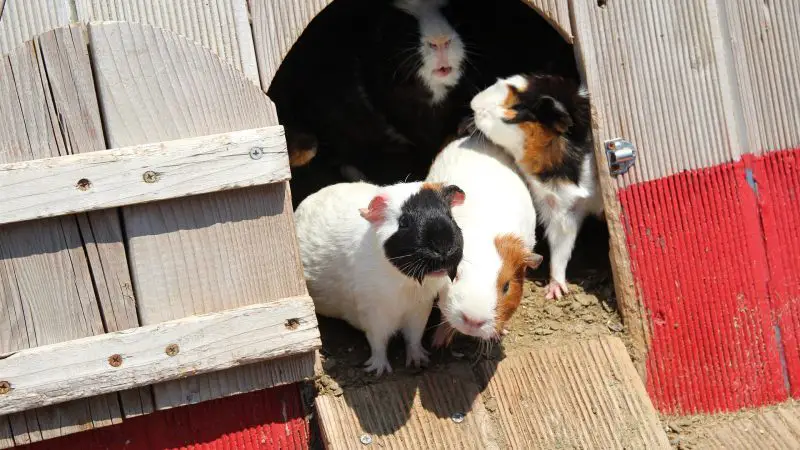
(112, 362)
(220, 25)
(49, 109)
(127, 176)
(408, 414)
(24, 19)
(580, 395)
(764, 37)
(658, 77)
(209, 252)
(774, 428)
(276, 27)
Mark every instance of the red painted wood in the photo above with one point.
(269, 419)
(699, 259)
(778, 177)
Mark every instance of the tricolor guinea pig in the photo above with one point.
(377, 256)
(544, 122)
(498, 222)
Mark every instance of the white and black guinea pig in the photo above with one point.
(544, 122)
(498, 222)
(377, 256)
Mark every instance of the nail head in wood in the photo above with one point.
(172, 349)
(5, 387)
(83, 184)
(256, 153)
(457, 417)
(365, 439)
(115, 360)
(150, 177)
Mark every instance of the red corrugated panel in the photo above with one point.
(699, 261)
(778, 176)
(270, 419)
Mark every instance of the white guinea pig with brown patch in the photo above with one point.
(498, 223)
(377, 256)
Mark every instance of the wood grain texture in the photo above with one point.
(276, 27)
(82, 368)
(209, 252)
(47, 292)
(408, 414)
(765, 41)
(774, 428)
(24, 19)
(659, 77)
(52, 187)
(557, 13)
(220, 25)
(580, 395)
(628, 298)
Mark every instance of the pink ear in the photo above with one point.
(458, 199)
(454, 195)
(376, 210)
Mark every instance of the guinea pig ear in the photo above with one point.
(533, 260)
(552, 113)
(453, 195)
(376, 210)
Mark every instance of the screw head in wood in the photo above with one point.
(83, 184)
(457, 417)
(150, 177)
(172, 349)
(256, 153)
(5, 387)
(365, 439)
(115, 360)
(292, 324)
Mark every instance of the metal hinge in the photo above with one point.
(621, 155)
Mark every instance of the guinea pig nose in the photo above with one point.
(472, 322)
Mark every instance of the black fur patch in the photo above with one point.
(555, 103)
(428, 239)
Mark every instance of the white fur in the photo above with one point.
(562, 206)
(347, 272)
(497, 202)
(432, 26)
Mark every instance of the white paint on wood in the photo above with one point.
(112, 362)
(22, 20)
(208, 252)
(658, 78)
(220, 25)
(46, 289)
(85, 182)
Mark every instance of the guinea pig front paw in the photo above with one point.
(378, 364)
(416, 355)
(555, 290)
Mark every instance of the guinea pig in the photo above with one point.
(544, 122)
(377, 257)
(498, 222)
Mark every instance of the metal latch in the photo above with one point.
(621, 155)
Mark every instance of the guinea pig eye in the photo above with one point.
(506, 287)
(402, 222)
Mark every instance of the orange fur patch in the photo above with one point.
(301, 157)
(433, 186)
(512, 252)
(544, 148)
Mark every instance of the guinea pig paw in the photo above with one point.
(555, 290)
(504, 332)
(379, 365)
(417, 356)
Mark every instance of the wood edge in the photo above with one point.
(314, 344)
(630, 305)
(279, 173)
(567, 34)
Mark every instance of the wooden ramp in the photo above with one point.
(582, 395)
(777, 428)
